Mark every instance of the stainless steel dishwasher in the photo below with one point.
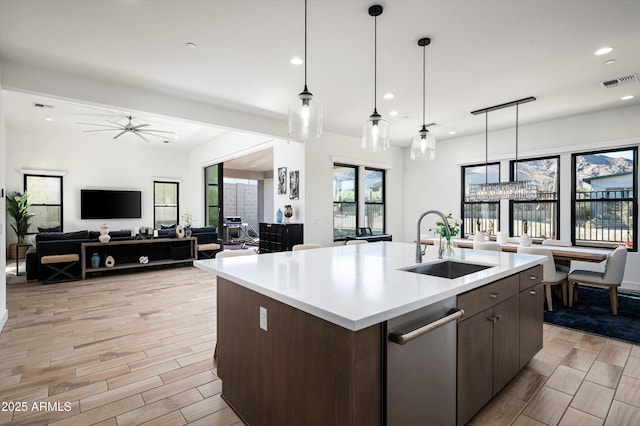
(421, 366)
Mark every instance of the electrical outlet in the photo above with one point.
(263, 318)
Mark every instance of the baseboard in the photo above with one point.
(3, 319)
(630, 286)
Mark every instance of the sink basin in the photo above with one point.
(447, 269)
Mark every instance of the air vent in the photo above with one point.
(45, 106)
(619, 81)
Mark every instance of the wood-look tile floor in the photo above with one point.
(137, 349)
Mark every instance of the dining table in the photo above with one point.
(560, 253)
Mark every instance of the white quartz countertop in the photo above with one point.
(360, 285)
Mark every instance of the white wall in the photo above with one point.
(437, 185)
(3, 221)
(123, 163)
(319, 159)
(291, 155)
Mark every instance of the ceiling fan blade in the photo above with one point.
(101, 125)
(142, 137)
(120, 134)
(155, 131)
(117, 124)
(99, 130)
(138, 126)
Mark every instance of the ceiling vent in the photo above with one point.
(45, 106)
(619, 81)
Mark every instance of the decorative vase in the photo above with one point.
(104, 234)
(95, 260)
(288, 212)
(180, 231)
(109, 262)
(448, 248)
(279, 216)
(525, 240)
(187, 231)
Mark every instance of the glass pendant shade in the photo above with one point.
(423, 145)
(305, 117)
(375, 134)
(517, 190)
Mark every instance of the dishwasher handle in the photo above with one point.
(401, 339)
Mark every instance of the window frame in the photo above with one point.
(61, 205)
(464, 202)
(633, 199)
(356, 198)
(155, 206)
(512, 228)
(384, 198)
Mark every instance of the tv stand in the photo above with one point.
(126, 253)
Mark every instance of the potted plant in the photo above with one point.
(188, 221)
(18, 207)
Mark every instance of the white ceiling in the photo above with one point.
(483, 53)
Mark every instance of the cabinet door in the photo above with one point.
(531, 313)
(475, 351)
(506, 342)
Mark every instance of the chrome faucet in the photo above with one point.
(419, 245)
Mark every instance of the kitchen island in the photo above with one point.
(303, 336)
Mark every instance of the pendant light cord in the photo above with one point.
(305, 45)
(424, 90)
(516, 171)
(375, 62)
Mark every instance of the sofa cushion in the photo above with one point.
(53, 236)
(172, 226)
(49, 229)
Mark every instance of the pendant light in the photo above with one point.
(423, 145)
(305, 112)
(512, 190)
(375, 130)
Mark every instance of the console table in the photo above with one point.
(126, 253)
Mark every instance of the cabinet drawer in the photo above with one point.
(530, 277)
(478, 300)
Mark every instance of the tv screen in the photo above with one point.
(109, 204)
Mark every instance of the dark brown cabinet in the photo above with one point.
(276, 237)
(499, 334)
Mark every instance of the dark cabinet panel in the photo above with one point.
(276, 237)
(531, 319)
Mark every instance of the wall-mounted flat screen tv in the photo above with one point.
(110, 204)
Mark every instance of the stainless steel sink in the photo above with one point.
(447, 269)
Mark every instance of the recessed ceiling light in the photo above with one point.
(190, 45)
(452, 132)
(609, 62)
(297, 61)
(388, 96)
(393, 113)
(603, 51)
(253, 166)
(626, 98)
(48, 118)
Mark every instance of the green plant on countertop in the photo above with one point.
(18, 207)
(454, 225)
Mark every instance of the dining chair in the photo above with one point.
(611, 277)
(235, 253)
(560, 266)
(355, 242)
(486, 245)
(550, 275)
(308, 246)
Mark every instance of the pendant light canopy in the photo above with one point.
(375, 130)
(514, 190)
(305, 112)
(423, 145)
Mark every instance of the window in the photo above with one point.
(604, 198)
(483, 215)
(542, 214)
(374, 200)
(345, 195)
(213, 188)
(165, 203)
(46, 201)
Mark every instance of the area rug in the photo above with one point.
(592, 313)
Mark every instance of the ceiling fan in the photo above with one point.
(138, 129)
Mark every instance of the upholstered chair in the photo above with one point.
(355, 242)
(550, 276)
(234, 253)
(308, 246)
(486, 245)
